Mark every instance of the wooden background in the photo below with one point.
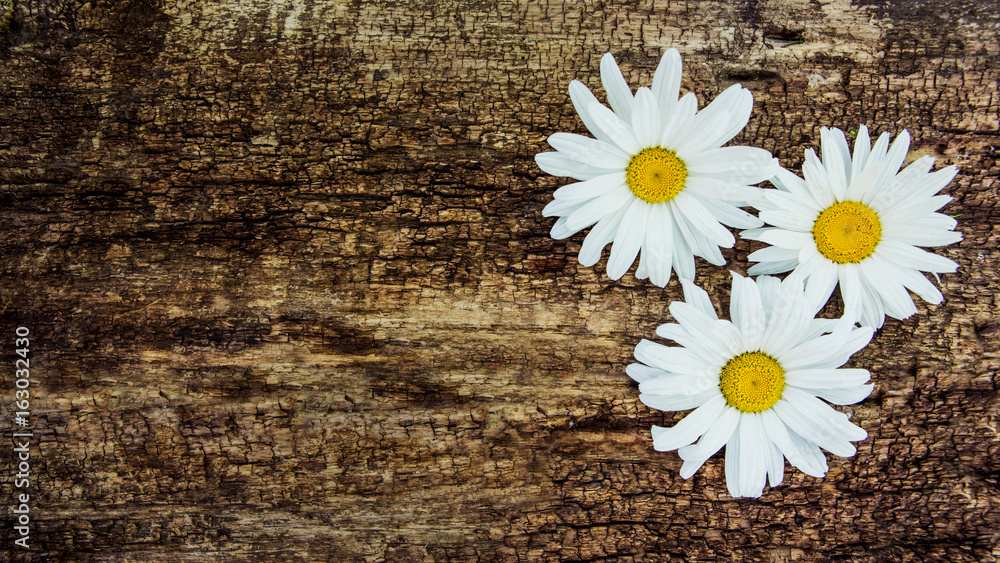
(292, 297)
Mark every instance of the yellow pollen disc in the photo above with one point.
(656, 175)
(847, 232)
(752, 382)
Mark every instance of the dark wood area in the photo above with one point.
(292, 296)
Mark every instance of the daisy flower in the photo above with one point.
(656, 178)
(755, 382)
(856, 222)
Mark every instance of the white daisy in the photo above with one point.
(656, 178)
(856, 222)
(755, 383)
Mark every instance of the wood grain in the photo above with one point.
(292, 296)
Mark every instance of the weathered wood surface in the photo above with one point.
(292, 296)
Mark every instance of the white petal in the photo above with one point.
(735, 103)
(873, 310)
(560, 231)
(582, 98)
(730, 215)
(739, 165)
(629, 239)
(856, 340)
(619, 131)
(560, 207)
(713, 440)
(642, 372)
(717, 339)
(692, 210)
(787, 322)
(771, 294)
(733, 466)
(852, 293)
(689, 468)
(878, 151)
(899, 189)
(815, 429)
(773, 254)
(646, 118)
(658, 248)
(678, 401)
(813, 457)
(793, 203)
(698, 297)
(914, 210)
(691, 427)
(739, 115)
(811, 261)
(600, 207)
(619, 94)
(817, 352)
(668, 358)
(862, 148)
(786, 239)
(819, 327)
(890, 165)
(696, 241)
(836, 160)
(879, 279)
(935, 221)
(747, 312)
(822, 280)
(667, 82)
(714, 189)
(702, 134)
(599, 237)
(683, 257)
(589, 189)
(923, 237)
(776, 463)
(847, 396)
(862, 186)
(590, 151)
(817, 180)
(753, 449)
(827, 378)
(919, 284)
(792, 449)
(642, 271)
(815, 421)
(934, 182)
(767, 268)
(789, 182)
(837, 423)
(679, 122)
(682, 384)
(559, 164)
(789, 220)
(913, 257)
(717, 350)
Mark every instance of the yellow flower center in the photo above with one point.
(752, 382)
(656, 175)
(847, 232)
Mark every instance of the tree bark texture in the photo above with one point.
(292, 296)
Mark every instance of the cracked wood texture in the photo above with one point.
(292, 296)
